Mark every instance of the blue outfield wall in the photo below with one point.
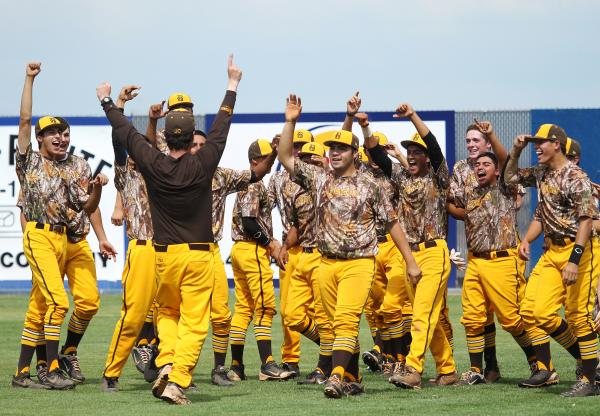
(582, 125)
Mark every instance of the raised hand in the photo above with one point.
(353, 104)
(157, 111)
(520, 141)
(293, 108)
(103, 90)
(128, 93)
(234, 74)
(362, 118)
(484, 126)
(404, 111)
(100, 180)
(275, 142)
(32, 69)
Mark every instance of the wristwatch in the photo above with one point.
(106, 100)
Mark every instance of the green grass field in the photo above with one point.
(276, 398)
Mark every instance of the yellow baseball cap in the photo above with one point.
(179, 99)
(302, 136)
(549, 132)
(344, 137)
(383, 140)
(49, 121)
(259, 148)
(572, 148)
(415, 140)
(312, 148)
(362, 155)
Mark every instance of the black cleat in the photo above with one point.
(582, 389)
(293, 368)
(540, 378)
(219, 377)
(470, 378)
(24, 381)
(151, 370)
(334, 387)
(236, 373)
(373, 360)
(316, 377)
(69, 363)
(42, 374)
(141, 357)
(58, 380)
(272, 371)
(110, 384)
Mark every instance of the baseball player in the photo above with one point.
(281, 189)
(495, 272)
(348, 203)
(422, 189)
(250, 259)
(179, 189)
(480, 137)
(303, 290)
(567, 272)
(51, 186)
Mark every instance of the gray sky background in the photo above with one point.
(438, 55)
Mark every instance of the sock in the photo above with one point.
(72, 342)
(52, 354)
(324, 364)
(476, 350)
(264, 351)
(544, 358)
(76, 329)
(378, 345)
(489, 353)
(237, 354)
(146, 333)
(340, 360)
(25, 358)
(525, 344)
(40, 352)
(353, 368)
(311, 332)
(564, 336)
(588, 345)
(219, 343)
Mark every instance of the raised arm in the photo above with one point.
(127, 93)
(285, 152)
(31, 71)
(155, 113)
(499, 150)
(94, 199)
(511, 170)
(352, 107)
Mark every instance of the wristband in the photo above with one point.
(576, 254)
(350, 114)
(366, 132)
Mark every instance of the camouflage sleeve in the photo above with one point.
(521, 190)
(236, 180)
(249, 202)
(582, 198)
(120, 172)
(307, 176)
(397, 176)
(528, 177)
(382, 206)
(272, 190)
(22, 162)
(456, 186)
(442, 175)
(161, 141)
(537, 214)
(20, 200)
(79, 184)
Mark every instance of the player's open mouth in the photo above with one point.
(481, 174)
(539, 152)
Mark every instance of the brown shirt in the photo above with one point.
(134, 198)
(51, 188)
(180, 190)
(422, 204)
(253, 203)
(348, 209)
(225, 182)
(281, 191)
(564, 196)
(490, 217)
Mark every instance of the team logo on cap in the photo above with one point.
(311, 147)
(338, 135)
(180, 98)
(300, 135)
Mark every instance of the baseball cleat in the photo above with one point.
(110, 384)
(293, 368)
(69, 363)
(582, 389)
(470, 378)
(272, 371)
(173, 394)
(141, 357)
(236, 373)
(42, 374)
(219, 377)
(316, 377)
(24, 380)
(442, 380)
(353, 388)
(373, 360)
(161, 381)
(151, 370)
(334, 387)
(57, 380)
(491, 375)
(409, 378)
(541, 378)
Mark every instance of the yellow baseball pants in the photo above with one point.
(139, 288)
(290, 349)
(220, 315)
(185, 280)
(428, 300)
(389, 262)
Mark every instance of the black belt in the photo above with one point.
(309, 249)
(490, 255)
(142, 242)
(60, 229)
(382, 239)
(162, 248)
(423, 245)
(560, 240)
(334, 257)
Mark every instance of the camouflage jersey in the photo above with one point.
(422, 203)
(490, 217)
(134, 198)
(281, 190)
(564, 196)
(78, 225)
(254, 203)
(348, 209)
(304, 218)
(225, 181)
(389, 190)
(51, 188)
(464, 180)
